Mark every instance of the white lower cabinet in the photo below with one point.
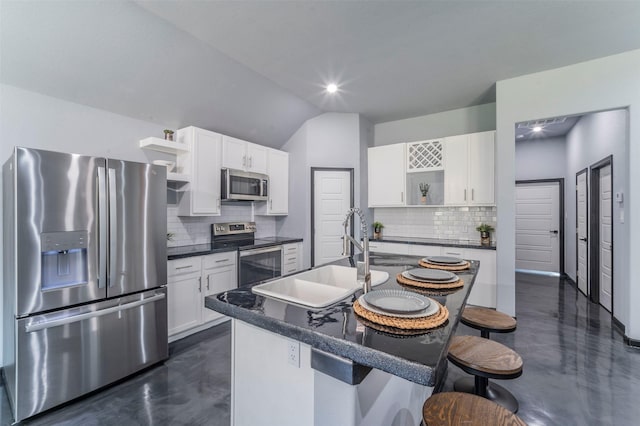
(484, 289)
(291, 258)
(384, 247)
(184, 280)
(420, 250)
(189, 281)
(219, 273)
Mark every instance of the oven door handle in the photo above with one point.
(245, 253)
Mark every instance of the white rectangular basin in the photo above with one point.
(318, 287)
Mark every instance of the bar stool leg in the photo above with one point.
(490, 390)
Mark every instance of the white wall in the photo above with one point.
(461, 121)
(329, 140)
(597, 85)
(593, 138)
(541, 158)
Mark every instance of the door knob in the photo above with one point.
(583, 239)
(555, 231)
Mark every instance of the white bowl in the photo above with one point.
(168, 164)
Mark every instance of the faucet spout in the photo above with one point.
(363, 268)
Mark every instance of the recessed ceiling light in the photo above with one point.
(537, 129)
(332, 88)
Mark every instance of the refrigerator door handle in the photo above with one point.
(103, 227)
(42, 325)
(113, 227)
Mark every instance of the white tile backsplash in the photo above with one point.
(197, 230)
(435, 222)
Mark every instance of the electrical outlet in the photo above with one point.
(293, 353)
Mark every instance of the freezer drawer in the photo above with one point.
(65, 354)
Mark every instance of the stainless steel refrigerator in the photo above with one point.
(85, 273)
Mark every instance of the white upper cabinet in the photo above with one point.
(202, 162)
(387, 175)
(482, 167)
(469, 169)
(278, 171)
(425, 156)
(243, 155)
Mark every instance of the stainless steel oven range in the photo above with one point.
(258, 259)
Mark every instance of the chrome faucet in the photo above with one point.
(364, 273)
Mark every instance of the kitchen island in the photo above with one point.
(292, 365)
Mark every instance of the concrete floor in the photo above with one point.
(577, 371)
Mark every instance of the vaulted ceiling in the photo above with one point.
(256, 69)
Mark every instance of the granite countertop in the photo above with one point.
(420, 359)
(475, 244)
(204, 249)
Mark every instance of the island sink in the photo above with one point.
(317, 288)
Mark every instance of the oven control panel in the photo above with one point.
(233, 228)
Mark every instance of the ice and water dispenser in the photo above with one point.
(63, 259)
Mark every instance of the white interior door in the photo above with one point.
(582, 247)
(332, 200)
(605, 248)
(538, 226)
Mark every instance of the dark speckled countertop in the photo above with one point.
(421, 359)
(475, 244)
(203, 249)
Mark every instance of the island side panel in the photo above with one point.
(382, 399)
(265, 387)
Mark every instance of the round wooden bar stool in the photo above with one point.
(487, 320)
(486, 359)
(458, 409)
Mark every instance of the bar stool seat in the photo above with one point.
(486, 359)
(487, 320)
(458, 409)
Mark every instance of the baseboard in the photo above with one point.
(619, 326)
(569, 280)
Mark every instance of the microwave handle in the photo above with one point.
(224, 184)
(265, 188)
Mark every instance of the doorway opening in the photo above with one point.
(332, 195)
(539, 226)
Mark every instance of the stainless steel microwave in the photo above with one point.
(238, 185)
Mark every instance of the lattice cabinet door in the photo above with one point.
(425, 156)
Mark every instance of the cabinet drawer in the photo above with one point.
(289, 259)
(290, 269)
(453, 251)
(218, 260)
(185, 266)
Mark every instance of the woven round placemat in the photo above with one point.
(397, 332)
(430, 292)
(444, 267)
(404, 280)
(422, 323)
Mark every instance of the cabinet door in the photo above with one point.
(456, 168)
(184, 295)
(205, 185)
(257, 158)
(234, 153)
(481, 168)
(219, 274)
(218, 280)
(278, 202)
(387, 177)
